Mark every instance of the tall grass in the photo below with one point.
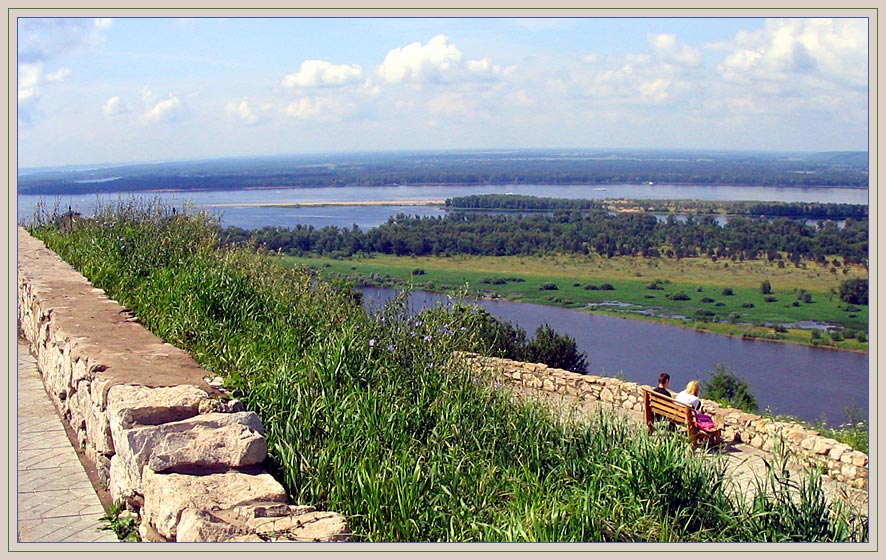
(371, 415)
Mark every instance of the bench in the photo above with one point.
(681, 414)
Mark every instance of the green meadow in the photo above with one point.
(723, 297)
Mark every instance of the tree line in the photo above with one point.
(574, 232)
(807, 210)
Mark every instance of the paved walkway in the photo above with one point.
(56, 501)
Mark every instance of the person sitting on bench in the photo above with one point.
(690, 396)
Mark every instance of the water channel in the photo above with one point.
(809, 383)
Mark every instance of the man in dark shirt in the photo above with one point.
(663, 381)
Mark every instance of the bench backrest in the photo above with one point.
(656, 403)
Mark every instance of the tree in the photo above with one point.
(854, 291)
(766, 287)
(727, 389)
(555, 350)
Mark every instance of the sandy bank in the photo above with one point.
(336, 203)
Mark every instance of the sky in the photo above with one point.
(136, 89)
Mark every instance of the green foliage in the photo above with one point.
(727, 389)
(854, 291)
(372, 415)
(124, 523)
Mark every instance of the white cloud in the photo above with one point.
(324, 109)
(58, 76)
(42, 39)
(656, 89)
(319, 73)
(248, 114)
(29, 77)
(668, 50)
(437, 61)
(833, 50)
(166, 110)
(114, 106)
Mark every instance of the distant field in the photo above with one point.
(631, 278)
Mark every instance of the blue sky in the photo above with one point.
(110, 90)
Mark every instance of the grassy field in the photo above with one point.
(807, 293)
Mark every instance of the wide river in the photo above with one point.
(810, 383)
(225, 203)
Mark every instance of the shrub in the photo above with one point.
(728, 292)
(770, 299)
(747, 305)
(607, 287)
(680, 296)
(766, 287)
(549, 286)
(854, 291)
(727, 389)
(707, 300)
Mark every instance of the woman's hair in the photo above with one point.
(692, 387)
(663, 378)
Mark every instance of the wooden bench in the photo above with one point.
(681, 414)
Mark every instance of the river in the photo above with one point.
(810, 383)
(806, 382)
(366, 217)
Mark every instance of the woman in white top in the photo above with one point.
(690, 395)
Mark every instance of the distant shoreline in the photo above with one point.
(333, 203)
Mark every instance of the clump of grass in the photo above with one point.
(123, 522)
(372, 415)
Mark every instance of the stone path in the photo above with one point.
(56, 501)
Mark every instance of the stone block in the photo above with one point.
(130, 405)
(167, 496)
(205, 442)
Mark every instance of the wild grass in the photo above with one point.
(371, 415)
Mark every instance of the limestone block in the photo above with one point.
(235, 446)
(859, 459)
(548, 385)
(849, 470)
(807, 443)
(209, 449)
(823, 445)
(286, 523)
(838, 450)
(201, 526)
(129, 405)
(167, 496)
(606, 396)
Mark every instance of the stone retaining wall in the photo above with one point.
(164, 437)
(808, 447)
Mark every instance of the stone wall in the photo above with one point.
(808, 447)
(165, 438)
